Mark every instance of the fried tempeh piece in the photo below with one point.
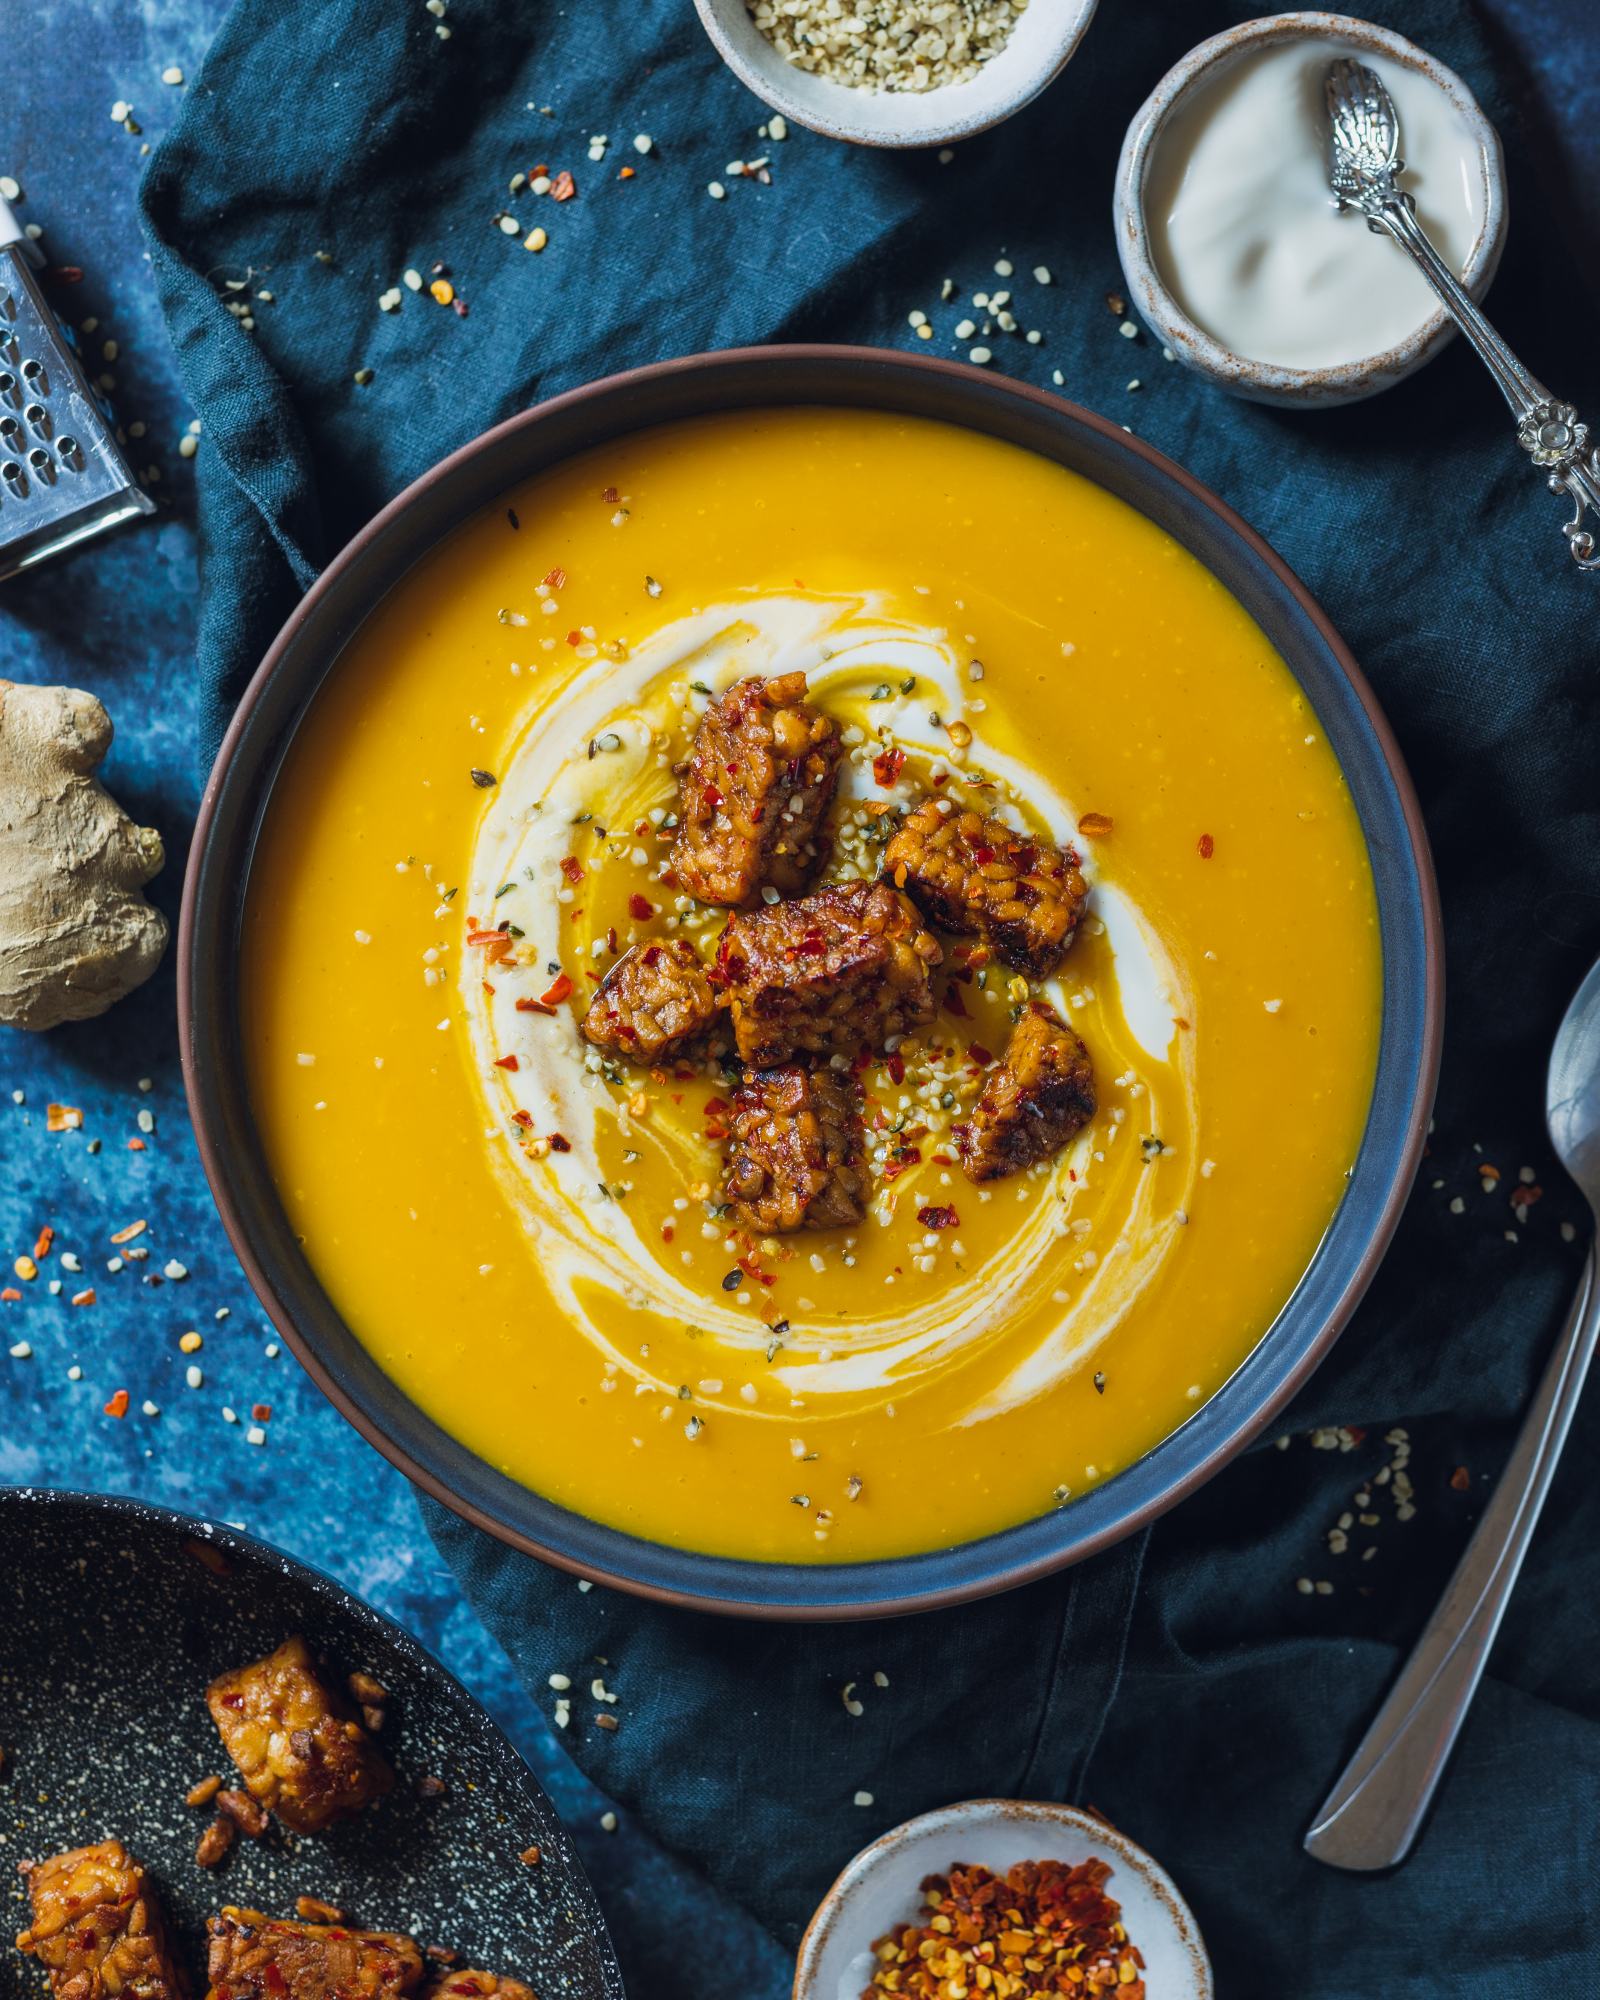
(654, 1004)
(979, 877)
(1032, 1102)
(299, 1748)
(468, 1985)
(97, 1928)
(794, 1161)
(755, 793)
(826, 974)
(254, 1957)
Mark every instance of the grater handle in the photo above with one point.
(13, 233)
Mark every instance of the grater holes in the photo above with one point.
(71, 453)
(33, 373)
(16, 480)
(11, 433)
(9, 392)
(38, 419)
(43, 464)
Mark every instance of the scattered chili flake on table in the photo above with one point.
(1207, 846)
(1042, 1928)
(118, 1406)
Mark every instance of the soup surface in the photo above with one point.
(531, 1236)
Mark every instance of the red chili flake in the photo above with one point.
(641, 909)
(938, 1218)
(41, 1248)
(811, 945)
(1207, 846)
(626, 174)
(652, 954)
(886, 765)
(65, 274)
(563, 187)
(555, 579)
(953, 1002)
(572, 868)
(10, 1295)
(896, 1068)
(977, 1053)
(711, 798)
(523, 1118)
(559, 989)
(507, 1062)
(85, 1298)
(261, 1413)
(559, 1143)
(574, 637)
(1460, 1479)
(896, 1164)
(118, 1406)
(716, 1107)
(533, 1007)
(610, 496)
(982, 855)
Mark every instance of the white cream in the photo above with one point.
(591, 1249)
(1243, 228)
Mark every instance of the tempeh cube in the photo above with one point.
(467, 1985)
(254, 1957)
(301, 1751)
(654, 1004)
(755, 793)
(1032, 1102)
(794, 1159)
(97, 1928)
(827, 974)
(976, 876)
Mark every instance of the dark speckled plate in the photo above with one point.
(113, 1617)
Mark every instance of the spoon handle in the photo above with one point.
(1548, 430)
(1370, 1818)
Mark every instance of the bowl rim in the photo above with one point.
(885, 1586)
(769, 83)
(1345, 381)
(240, 1543)
(1139, 1860)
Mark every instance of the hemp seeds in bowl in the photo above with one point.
(896, 72)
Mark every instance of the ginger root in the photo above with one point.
(76, 933)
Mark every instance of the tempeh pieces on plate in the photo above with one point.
(828, 974)
(468, 1985)
(1033, 1102)
(254, 1957)
(755, 793)
(978, 877)
(297, 1743)
(97, 1928)
(654, 1005)
(794, 1157)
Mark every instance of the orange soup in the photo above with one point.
(533, 1236)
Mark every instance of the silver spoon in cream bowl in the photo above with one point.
(1371, 1817)
(1363, 160)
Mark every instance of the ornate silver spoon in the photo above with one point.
(1371, 1816)
(1363, 159)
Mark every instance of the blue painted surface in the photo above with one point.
(118, 618)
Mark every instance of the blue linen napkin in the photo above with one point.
(1183, 1683)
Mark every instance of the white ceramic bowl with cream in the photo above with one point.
(1036, 51)
(1233, 251)
(882, 1888)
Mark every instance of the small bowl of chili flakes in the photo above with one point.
(1050, 1899)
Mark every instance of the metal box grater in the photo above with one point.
(62, 476)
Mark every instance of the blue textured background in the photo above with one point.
(118, 618)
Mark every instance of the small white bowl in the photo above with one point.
(1037, 51)
(1262, 381)
(881, 1889)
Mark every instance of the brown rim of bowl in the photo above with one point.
(1350, 380)
(1405, 1156)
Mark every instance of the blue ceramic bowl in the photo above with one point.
(308, 649)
